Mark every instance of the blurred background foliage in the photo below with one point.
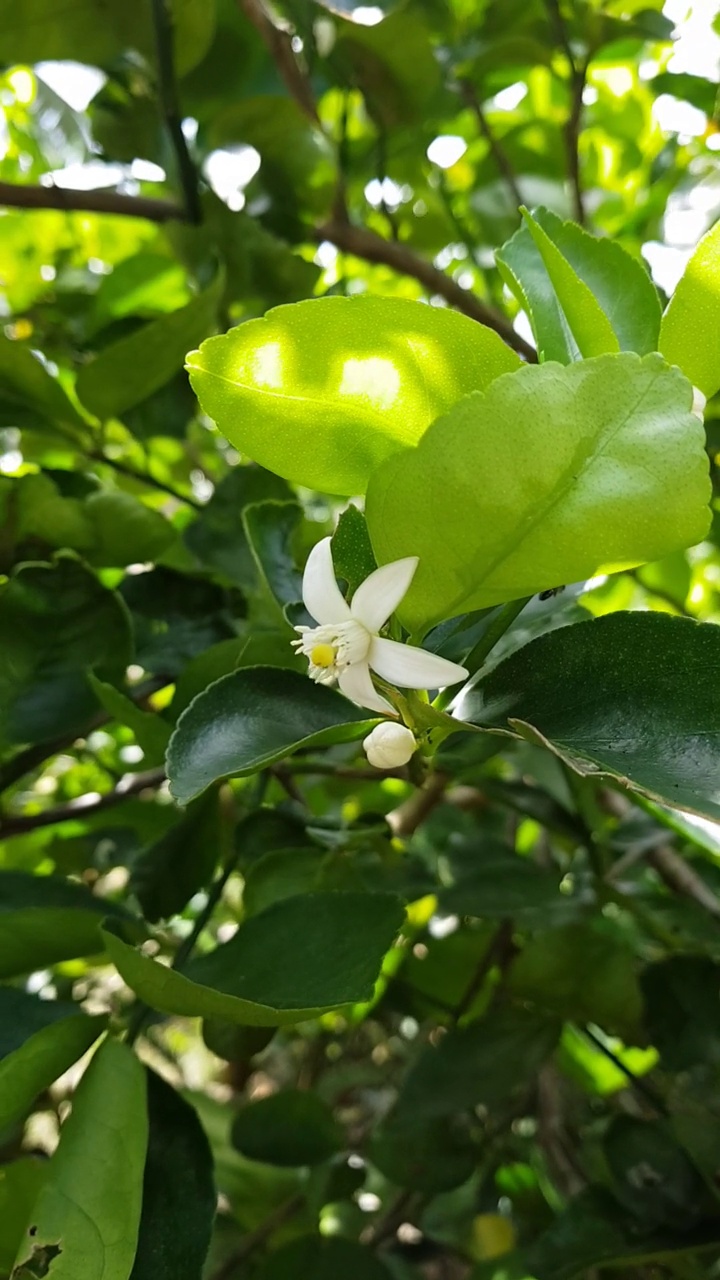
(534, 1090)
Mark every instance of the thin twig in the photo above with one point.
(406, 819)
(501, 950)
(187, 173)
(372, 248)
(82, 807)
(279, 43)
(68, 200)
(679, 876)
(578, 74)
(254, 1239)
(144, 477)
(502, 162)
(646, 1091)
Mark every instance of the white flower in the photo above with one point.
(346, 644)
(389, 745)
(698, 404)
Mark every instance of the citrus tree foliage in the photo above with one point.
(359, 701)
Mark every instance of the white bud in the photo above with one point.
(389, 745)
(698, 404)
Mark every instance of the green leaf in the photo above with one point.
(26, 382)
(125, 531)
(617, 475)
(322, 391)
(393, 63)
(281, 874)
(498, 883)
(45, 920)
(243, 982)
(218, 535)
(152, 733)
(582, 973)
(86, 1217)
(430, 1156)
(167, 874)
(352, 551)
(682, 1010)
(619, 283)
(652, 1176)
(690, 323)
(523, 271)
(92, 32)
(251, 718)
(20, 1183)
(488, 1063)
(132, 368)
(39, 1040)
(56, 622)
(625, 695)
(289, 1128)
(586, 319)
(270, 528)
(323, 1258)
(178, 1196)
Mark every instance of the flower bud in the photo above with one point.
(698, 404)
(389, 745)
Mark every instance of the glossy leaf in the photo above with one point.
(251, 718)
(218, 535)
(270, 529)
(56, 622)
(132, 368)
(625, 695)
(86, 1218)
(45, 919)
(617, 475)
(322, 391)
(693, 314)
(290, 1128)
(178, 1192)
(242, 981)
(39, 1040)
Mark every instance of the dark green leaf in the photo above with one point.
(20, 1183)
(39, 1040)
(56, 622)
(44, 920)
(152, 733)
(289, 1128)
(270, 528)
(218, 534)
(178, 1197)
(682, 1010)
(246, 980)
(352, 552)
(167, 874)
(652, 1176)
(625, 695)
(323, 1258)
(251, 718)
(581, 972)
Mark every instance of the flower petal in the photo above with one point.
(412, 668)
(322, 596)
(380, 594)
(355, 683)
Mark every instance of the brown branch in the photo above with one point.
(578, 74)
(503, 164)
(229, 1269)
(406, 819)
(279, 43)
(372, 248)
(144, 477)
(68, 200)
(679, 876)
(82, 807)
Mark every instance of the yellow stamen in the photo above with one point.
(323, 655)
